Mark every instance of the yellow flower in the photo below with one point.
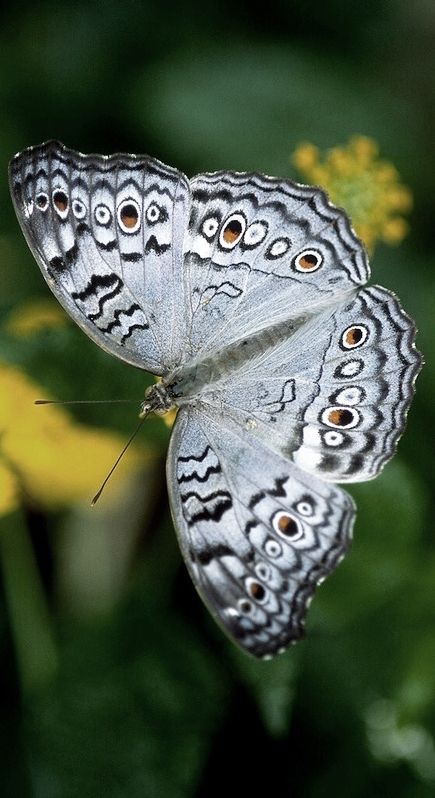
(47, 456)
(34, 316)
(368, 188)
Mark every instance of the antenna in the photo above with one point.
(145, 410)
(84, 401)
(131, 438)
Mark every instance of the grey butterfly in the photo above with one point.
(244, 293)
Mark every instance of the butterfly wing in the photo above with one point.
(333, 396)
(107, 233)
(260, 251)
(257, 533)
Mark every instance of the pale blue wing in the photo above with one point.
(257, 533)
(107, 233)
(332, 395)
(260, 251)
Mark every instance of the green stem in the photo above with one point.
(28, 612)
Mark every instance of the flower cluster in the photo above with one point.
(367, 187)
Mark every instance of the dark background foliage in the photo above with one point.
(148, 698)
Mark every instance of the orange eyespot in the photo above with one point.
(308, 261)
(343, 417)
(339, 417)
(232, 231)
(257, 591)
(287, 525)
(128, 216)
(60, 201)
(354, 336)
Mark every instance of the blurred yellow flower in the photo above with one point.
(45, 454)
(9, 490)
(34, 316)
(368, 188)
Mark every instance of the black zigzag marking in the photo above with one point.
(82, 228)
(198, 459)
(276, 491)
(57, 265)
(131, 257)
(109, 246)
(152, 245)
(71, 254)
(207, 555)
(99, 281)
(213, 469)
(225, 503)
(132, 329)
(116, 316)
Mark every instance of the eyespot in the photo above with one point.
(343, 417)
(258, 592)
(304, 507)
(287, 526)
(244, 606)
(272, 548)
(331, 438)
(155, 213)
(350, 395)
(232, 231)
(350, 368)
(278, 248)
(263, 571)
(309, 260)
(128, 216)
(79, 209)
(354, 336)
(209, 227)
(60, 203)
(42, 201)
(103, 215)
(255, 234)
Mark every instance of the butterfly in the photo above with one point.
(245, 294)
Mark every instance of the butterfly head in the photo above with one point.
(157, 400)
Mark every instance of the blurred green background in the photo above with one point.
(114, 680)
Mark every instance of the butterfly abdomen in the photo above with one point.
(189, 380)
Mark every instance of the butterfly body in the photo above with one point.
(246, 295)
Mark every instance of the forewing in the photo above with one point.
(333, 396)
(257, 533)
(260, 251)
(107, 233)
